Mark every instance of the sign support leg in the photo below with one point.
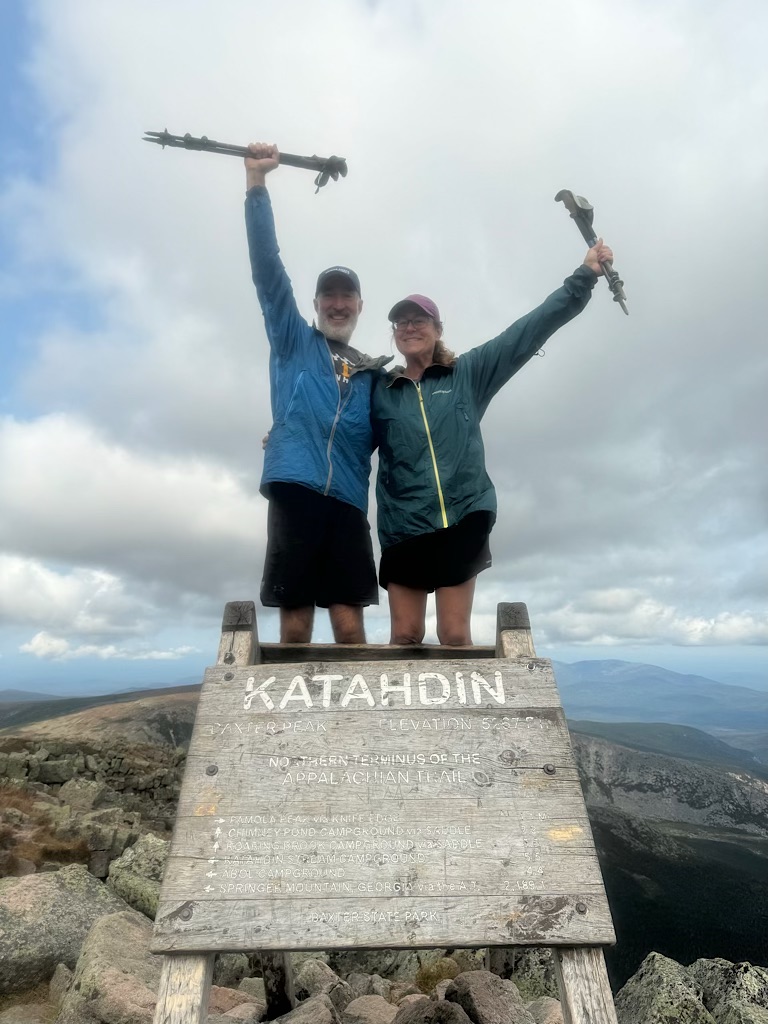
(185, 985)
(585, 994)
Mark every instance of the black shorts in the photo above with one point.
(444, 558)
(318, 551)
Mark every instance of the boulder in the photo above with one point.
(394, 964)
(44, 919)
(400, 989)
(317, 1010)
(425, 1011)
(27, 1013)
(117, 978)
(230, 969)
(532, 968)
(254, 987)
(732, 993)
(316, 978)
(82, 795)
(137, 874)
(59, 984)
(226, 1000)
(430, 974)
(488, 999)
(546, 1010)
(661, 992)
(369, 1010)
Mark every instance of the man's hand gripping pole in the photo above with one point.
(582, 212)
(327, 167)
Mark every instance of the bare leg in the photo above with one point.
(454, 608)
(407, 611)
(347, 623)
(296, 625)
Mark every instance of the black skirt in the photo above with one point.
(445, 558)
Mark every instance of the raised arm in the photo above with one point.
(281, 316)
(493, 363)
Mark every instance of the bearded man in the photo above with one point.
(318, 457)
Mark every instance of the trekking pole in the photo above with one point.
(582, 212)
(327, 167)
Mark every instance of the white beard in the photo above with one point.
(337, 330)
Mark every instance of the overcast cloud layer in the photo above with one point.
(630, 461)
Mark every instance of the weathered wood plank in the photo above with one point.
(514, 638)
(395, 686)
(585, 994)
(384, 923)
(239, 643)
(185, 984)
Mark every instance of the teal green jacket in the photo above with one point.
(431, 457)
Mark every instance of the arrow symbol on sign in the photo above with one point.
(212, 860)
(211, 874)
(217, 832)
(215, 846)
(208, 888)
(220, 821)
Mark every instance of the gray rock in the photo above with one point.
(136, 876)
(82, 795)
(317, 978)
(17, 765)
(661, 992)
(359, 984)
(59, 984)
(233, 1002)
(53, 772)
(369, 1010)
(230, 969)
(381, 987)
(733, 993)
(254, 987)
(394, 964)
(425, 1011)
(44, 919)
(117, 978)
(546, 1010)
(400, 989)
(27, 1013)
(298, 959)
(488, 999)
(532, 968)
(317, 1010)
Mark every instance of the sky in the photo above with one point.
(629, 461)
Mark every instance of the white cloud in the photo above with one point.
(629, 462)
(54, 648)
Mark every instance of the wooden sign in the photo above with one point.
(381, 804)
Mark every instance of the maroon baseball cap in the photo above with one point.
(425, 304)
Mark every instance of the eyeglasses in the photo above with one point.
(417, 321)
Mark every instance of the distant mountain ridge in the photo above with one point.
(673, 740)
(623, 691)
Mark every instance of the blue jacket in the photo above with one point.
(321, 433)
(431, 457)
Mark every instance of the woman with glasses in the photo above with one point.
(436, 502)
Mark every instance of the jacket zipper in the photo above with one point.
(432, 453)
(337, 417)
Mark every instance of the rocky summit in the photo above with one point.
(84, 835)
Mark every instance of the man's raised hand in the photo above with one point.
(264, 158)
